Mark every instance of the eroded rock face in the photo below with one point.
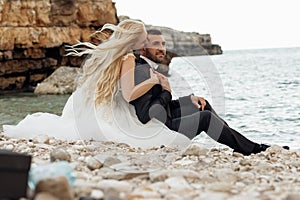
(33, 35)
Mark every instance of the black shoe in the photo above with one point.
(286, 147)
(263, 147)
(259, 148)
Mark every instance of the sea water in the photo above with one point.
(257, 92)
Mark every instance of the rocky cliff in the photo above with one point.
(182, 43)
(33, 34)
(188, 43)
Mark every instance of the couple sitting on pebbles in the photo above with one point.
(125, 99)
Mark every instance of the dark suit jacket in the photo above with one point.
(157, 103)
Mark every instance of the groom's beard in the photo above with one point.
(158, 57)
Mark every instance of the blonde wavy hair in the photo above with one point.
(101, 69)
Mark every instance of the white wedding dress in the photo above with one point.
(80, 120)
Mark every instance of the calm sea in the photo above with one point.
(256, 91)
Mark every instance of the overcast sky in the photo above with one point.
(233, 24)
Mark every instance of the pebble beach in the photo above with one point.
(108, 170)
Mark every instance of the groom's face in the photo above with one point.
(155, 48)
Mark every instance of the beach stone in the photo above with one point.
(96, 179)
(198, 185)
(109, 161)
(195, 150)
(185, 162)
(226, 175)
(42, 139)
(274, 149)
(52, 141)
(60, 154)
(295, 163)
(118, 186)
(82, 187)
(78, 147)
(293, 196)
(161, 175)
(58, 187)
(161, 187)
(245, 162)
(123, 171)
(45, 196)
(130, 175)
(264, 166)
(144, 193)
(178, 184)
(238, 155)
(123, 145)
(61, 81)
(112, 194)
(31, 144)
(265, 188)
(81, 158)
(252, 193)
(109, 173)
(24, 149)
(247, 176)
(9, 147)
(41, 146)
(212, 195)
(112, 157)
(172, 196)
(97, 194)
(93, 163)
(220, 187)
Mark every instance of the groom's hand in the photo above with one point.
(199, 102)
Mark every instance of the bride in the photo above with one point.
(98, 109)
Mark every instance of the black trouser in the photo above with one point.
(192, 122)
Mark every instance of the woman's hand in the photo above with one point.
(163, 80)
(154, 76)
(199, 102)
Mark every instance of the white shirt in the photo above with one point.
(150, 62)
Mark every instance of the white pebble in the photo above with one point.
(9, 147)
(93, 164)
(97, 194)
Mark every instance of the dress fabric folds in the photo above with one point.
(81, 120)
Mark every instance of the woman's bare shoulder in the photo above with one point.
(128, 55)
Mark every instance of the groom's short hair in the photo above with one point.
(154, 32)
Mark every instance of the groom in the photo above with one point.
(189, 115)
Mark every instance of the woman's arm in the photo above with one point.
(130, 91)
(148, 106)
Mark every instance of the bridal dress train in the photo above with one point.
(80, 120)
